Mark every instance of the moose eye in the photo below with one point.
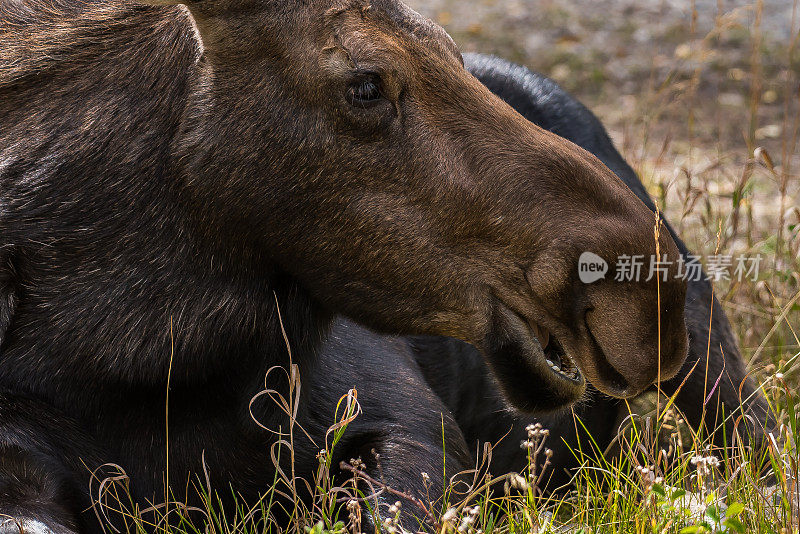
(364, 93)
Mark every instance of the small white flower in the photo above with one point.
(518, 482)
(450, 515)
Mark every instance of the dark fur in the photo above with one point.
(166, 207)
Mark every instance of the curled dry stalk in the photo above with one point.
(377, 487)
(325, 496)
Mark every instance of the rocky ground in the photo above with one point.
(599, 46)
(631, 59)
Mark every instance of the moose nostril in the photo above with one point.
(625, 363)
(614, 380)
(611, 380)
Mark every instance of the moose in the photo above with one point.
(191, 195)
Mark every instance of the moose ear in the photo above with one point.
(8, 294)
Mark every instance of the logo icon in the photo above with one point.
(591, 268)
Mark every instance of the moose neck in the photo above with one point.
(130, 283)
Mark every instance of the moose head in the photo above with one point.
(343, 143)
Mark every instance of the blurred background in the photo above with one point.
(703, 99)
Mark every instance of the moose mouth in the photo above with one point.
(555, 356)
(531, 365)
